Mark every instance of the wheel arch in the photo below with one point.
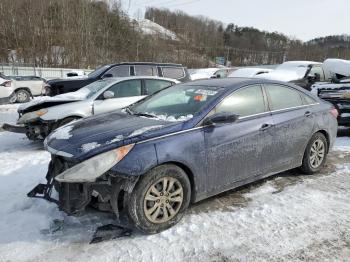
(24, 88)
(189, 174)
(325, 133)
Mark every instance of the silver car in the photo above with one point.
(42, 115)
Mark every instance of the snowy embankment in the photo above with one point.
(288, 217)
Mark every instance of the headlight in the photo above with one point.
(94, 167)
(28, 117)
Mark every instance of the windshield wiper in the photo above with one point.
(144, 114)
(129, 111)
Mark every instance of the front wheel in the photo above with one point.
(315, 154)
(159, 199)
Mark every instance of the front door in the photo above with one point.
(125, 93)
(238, 151)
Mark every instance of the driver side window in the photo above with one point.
(127, 88)
(246, 101)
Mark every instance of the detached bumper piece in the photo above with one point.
(43, 191)
(14, 128)
(109, 232)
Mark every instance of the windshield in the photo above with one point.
(98, 71)
(177, 103)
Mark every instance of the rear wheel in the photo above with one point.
(159, 199)
(22, 96)
(315, 154)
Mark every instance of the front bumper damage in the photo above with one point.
(109, 194)
(34, 131)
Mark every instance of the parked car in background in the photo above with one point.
(7, 90)
(339, 95)
(39, 117)
(207, 73)
(26, 87)
(174, 71)
(301, 73)
(249, 72)
(147, 163)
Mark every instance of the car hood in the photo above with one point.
(47, 101)
(328, 86)
(284, 75)
(94, 135)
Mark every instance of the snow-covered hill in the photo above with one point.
(150, 28)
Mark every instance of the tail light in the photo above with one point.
(46, 90)
(334, 112)
(6, 84)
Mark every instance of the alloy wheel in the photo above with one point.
(317, 153)
(163, 200)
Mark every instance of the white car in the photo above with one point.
(43, 115)
(26, 87)
(207, 73)
(249, 72)
(7, 90)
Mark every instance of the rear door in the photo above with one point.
(125, 93)
(294, 121)
(237, 151)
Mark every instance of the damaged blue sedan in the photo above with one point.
(148, 162)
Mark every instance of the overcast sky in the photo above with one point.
(303, 19)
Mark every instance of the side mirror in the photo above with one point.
(221, 118)
(108, 94)
(107, 76)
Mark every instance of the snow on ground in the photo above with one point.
(8, 114)
(286, 218)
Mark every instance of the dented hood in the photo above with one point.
(94, 135)
(46, 101)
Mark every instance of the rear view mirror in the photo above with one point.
(221, 118)
(108, 94)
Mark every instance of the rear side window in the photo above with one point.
(173, 72)
(282, 97)
(145, 70)
(126, 88)
(119, 71)
(244, 102)
(308, 100)
(153, 86)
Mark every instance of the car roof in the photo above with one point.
(147, 63)
(231, 82)
(117, 79)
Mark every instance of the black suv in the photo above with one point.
(175, 71)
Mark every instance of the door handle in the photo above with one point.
(265, 127)
(308, 114)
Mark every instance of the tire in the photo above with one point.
(315, 154)
(22, 96)
(140, 210)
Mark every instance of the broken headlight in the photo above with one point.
(94, 167)
(28, 117)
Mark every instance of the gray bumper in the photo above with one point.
(8, 100)
(14, 128)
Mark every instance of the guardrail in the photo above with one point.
(45, 72)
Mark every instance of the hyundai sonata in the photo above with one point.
(148, 162)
